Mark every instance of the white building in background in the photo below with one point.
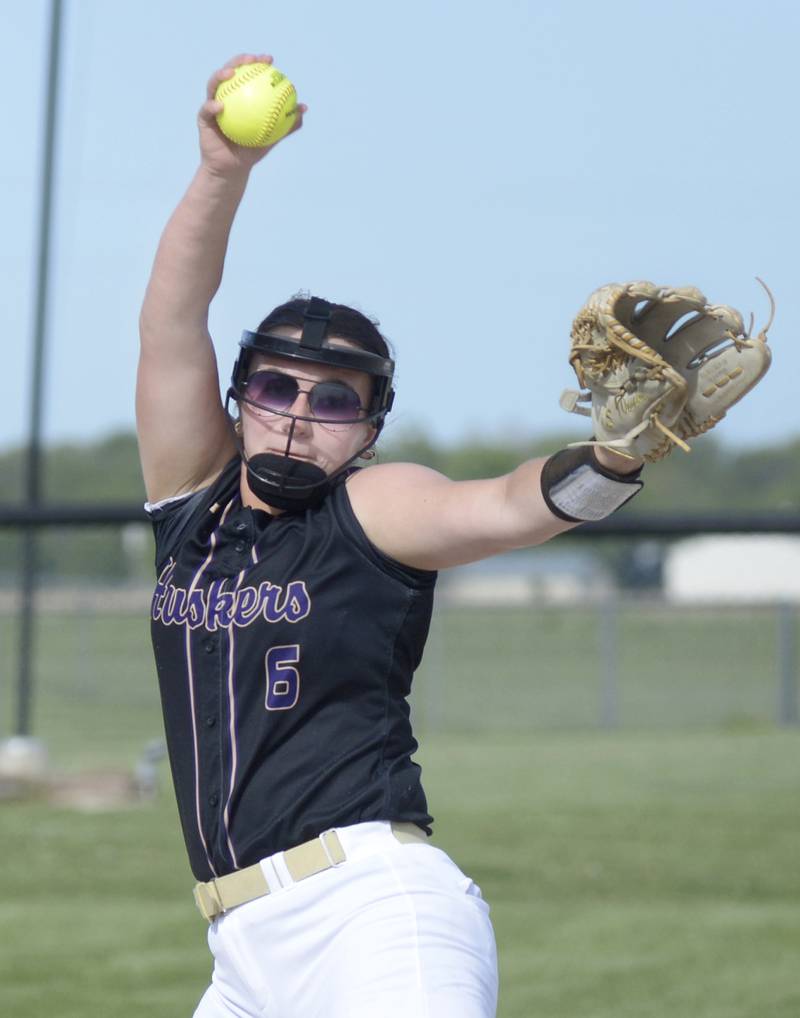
(733, 568)
(523, 577)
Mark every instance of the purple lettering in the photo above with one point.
(174, 610)
(160, 593)
(219, 608)
(298, 603)
(269, 596)
(197, 609)
(219, 611)
(247, 606)
(292, 604)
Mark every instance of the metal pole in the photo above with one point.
(29, 559)
(609, 661)
(432, 693)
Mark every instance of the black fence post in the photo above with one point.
(787, 664)
(29, 557)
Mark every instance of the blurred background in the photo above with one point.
(468, 173)
(609, 723)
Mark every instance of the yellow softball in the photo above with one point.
(260, 105)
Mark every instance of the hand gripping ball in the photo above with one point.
(260, 106)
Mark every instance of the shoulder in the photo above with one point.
(174, 518)
(387, 478)
(222, 480)
(393, 503)
(397, 486)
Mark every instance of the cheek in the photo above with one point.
(361, 436)
(336, 444)
(253, 426)
(351, 434)
(339, 446)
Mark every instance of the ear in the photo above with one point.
(370, 436)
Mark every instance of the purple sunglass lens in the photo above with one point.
(334, 401)
(272, 390)
(331, 401)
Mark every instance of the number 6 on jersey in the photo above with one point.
(283, 679)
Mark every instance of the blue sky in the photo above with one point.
(468, 173)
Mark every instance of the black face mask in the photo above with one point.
(287, 484)
(291, 485)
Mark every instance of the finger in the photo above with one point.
(302, 109)
(242, 58)
(230, 68)
(209, 111)
(216, 80)
(248, 58)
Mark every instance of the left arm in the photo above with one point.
(421, 518)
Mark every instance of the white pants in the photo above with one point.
(397, 931)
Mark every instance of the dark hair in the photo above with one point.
(346, 322)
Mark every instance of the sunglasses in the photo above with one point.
(330, 402)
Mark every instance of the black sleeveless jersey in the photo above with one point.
(285, 647)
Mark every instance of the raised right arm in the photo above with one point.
(184, 434)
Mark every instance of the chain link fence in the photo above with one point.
(522, 663)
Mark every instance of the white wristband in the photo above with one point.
(578, 488)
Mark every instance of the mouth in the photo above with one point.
(294, 455)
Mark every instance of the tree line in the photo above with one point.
(714, 477)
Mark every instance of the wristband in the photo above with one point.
(579, 489)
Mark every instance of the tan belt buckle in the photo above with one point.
(334, 852)
(321, 853)
(207, 900)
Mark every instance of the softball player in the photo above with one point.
(292, 605)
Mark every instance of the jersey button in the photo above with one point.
(239, 546)
(213, 799)
(208, 646)
(241, 527)
(210, 721)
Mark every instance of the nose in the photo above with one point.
(300, 406)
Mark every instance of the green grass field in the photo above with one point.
(649, 871)
(629, 875)
(484, 670)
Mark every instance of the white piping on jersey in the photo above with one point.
(151, 507)
(232, 724)
(190, 675)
